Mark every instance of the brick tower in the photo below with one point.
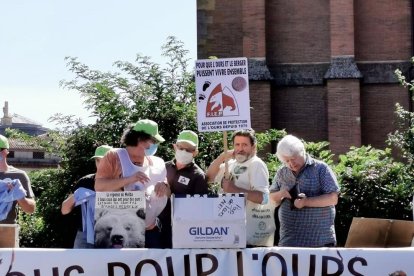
(322, 70)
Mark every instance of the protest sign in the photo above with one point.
(222, 91)
(209, 221)
(120, 219)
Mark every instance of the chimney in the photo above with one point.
(7, 119)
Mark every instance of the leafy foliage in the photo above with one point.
(47, 227)
(373, 185)
(403, 137)
(138, 90)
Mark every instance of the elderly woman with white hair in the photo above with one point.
(307, 191)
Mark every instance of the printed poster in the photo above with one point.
(222, 91)
(120, 219)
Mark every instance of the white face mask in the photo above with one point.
(183, 157)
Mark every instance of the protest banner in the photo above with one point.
(251, 261)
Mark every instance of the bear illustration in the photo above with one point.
(221, 100)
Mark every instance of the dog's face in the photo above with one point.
(119, 228)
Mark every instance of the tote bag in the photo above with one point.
(260, 224)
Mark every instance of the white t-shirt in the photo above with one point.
(250, 175)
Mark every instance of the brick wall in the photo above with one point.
(383, 30)
(301, 111)
(377, 116)
(297, 31)
(342, 27)
(344, 117)
(254, 33)
(260, 112)
(221, 32)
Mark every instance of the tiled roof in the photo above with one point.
(16, 144)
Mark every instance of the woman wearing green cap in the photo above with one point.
(135, 168)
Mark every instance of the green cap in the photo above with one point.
(101, 151)
(149, 127)
(189, 137)
(4, 143)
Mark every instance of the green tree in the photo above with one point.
(46, 227)
(135, 90)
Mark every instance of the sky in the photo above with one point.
(36, 36)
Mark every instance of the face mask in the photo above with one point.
(151, 150)
(183, 157)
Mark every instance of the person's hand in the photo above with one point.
(300, 202)
(228, 186)
(279, 196)
(9, 186)
(9, 183)
(284, 194)
(139, 177)
(162, 189)
(227, 155)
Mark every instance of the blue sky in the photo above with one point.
(36, 36)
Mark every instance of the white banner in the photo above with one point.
(222, 91)
(186, 262)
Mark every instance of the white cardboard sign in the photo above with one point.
(209, 222)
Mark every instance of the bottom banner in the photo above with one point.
(186, 262)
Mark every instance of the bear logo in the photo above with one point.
(221, 102)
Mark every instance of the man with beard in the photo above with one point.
(248, 174)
